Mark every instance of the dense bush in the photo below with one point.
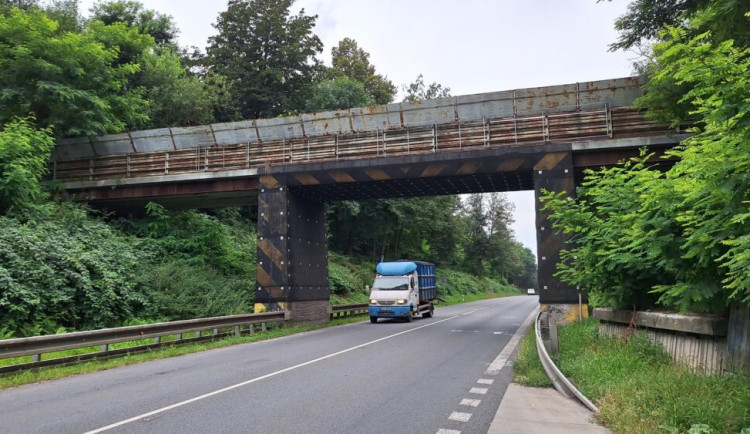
(61, 268)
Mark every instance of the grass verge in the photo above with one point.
(528, 370)
(638, 389)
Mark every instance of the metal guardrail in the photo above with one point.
(348, 310)
(561, 383)
(37, 346)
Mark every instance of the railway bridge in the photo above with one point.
(526, 139)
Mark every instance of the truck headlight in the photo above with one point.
(401, 301)
(373, 301)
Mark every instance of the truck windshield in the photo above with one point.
(391, 283)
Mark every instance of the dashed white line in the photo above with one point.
(461, 417)
(471, 402)
(448, 431)
(485, 381)
(478, 390)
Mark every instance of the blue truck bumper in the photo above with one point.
(388, 311)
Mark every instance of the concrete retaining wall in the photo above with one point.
(694, 341)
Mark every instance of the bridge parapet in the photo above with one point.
(620, 92)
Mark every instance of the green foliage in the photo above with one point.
(350, 61)
(338, 93)
(176, 97)
(70, 82)
(681, 234)
(527, 369)
(266, 54)
(58, 267)
(24, 152)
(418, 91)
(639, 390)
(182, 289)
(131, 13)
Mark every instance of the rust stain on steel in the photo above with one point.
(510, 165)
(307, 179)
(377, 175)
(432, 171)
(264, 278)
(468, 168)
(176, 189)
(269, 181)
(271, 251)
(342, 177)
(550, 161)
(405, 169)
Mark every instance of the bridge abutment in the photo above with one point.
(292, 266)
(554, 172)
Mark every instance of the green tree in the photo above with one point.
(24, 153)
(132, 13)
(176, 97)
(68, 81)
(338, 93)
(418, 91)
(348, 60)
(266, 54)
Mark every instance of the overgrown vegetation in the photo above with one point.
(638, 389)
(676, 237)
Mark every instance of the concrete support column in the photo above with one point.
(554, 172)
(292, 267)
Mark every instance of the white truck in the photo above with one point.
(403, 289)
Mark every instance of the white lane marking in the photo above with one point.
(497, 333)
(470, 402)
(461, 417)
(478, 390)
(485, 381)
(448, 431)
(502, 358)
(256, 379)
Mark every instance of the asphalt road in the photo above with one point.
(429, 376)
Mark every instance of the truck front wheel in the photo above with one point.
(373, 319)
(409, 316)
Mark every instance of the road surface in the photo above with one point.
(443, 374)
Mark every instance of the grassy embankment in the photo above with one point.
(637, 387)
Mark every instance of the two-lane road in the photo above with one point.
(442, 374)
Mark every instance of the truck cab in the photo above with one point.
(396, 292)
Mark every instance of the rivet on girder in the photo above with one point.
(540, 172)
(542, 228)
(544, 258)
(260, 262)
(282, 212)
(545, 286)
(566, 170)
(282, 237)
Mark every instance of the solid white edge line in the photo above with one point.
(263, 377)
(497, 365)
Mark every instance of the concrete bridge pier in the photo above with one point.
(292, 269)
(554, 172)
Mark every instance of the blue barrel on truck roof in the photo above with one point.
(425, 272)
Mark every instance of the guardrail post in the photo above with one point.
(263, 326)
(252, 329)
(104, 348)
(237, 331)
(554, 345)
(36, 358)
(216, 332)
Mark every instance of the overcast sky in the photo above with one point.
(470, 46)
